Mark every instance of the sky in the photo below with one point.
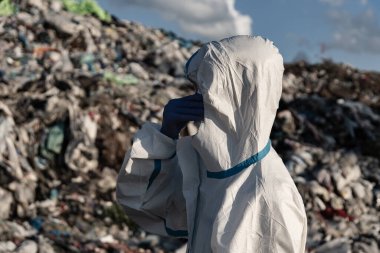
(346, 31)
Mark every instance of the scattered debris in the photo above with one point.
(75, 88)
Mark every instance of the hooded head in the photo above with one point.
(240, 79)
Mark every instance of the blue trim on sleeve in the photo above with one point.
(172, 156)
(175, 233)
(157, 169)
(241, 166)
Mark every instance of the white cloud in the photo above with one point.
(333, 2)
(210, 19)
(337, 3)
(355, 33)
(364, 2)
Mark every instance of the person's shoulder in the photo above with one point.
(277, 180)
(273, 171)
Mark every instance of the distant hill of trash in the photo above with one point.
(75, 85)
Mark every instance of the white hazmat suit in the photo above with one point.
(225, 188)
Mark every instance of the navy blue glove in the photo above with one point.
(178, 112)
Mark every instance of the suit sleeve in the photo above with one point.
(149, 184)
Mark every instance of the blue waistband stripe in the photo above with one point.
(241, 166)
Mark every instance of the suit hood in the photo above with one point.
(240, 79)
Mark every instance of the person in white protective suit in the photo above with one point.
(225, 188)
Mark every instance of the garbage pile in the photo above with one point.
(75, 88)
(327, 132)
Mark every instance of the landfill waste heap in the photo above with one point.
(76, 84)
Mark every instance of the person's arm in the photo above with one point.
(149, 185)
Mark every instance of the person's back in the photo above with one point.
(225, 188)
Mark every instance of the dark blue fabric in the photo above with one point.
(172, 156)
(175, 233)
(156, 170)
(241, 166)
